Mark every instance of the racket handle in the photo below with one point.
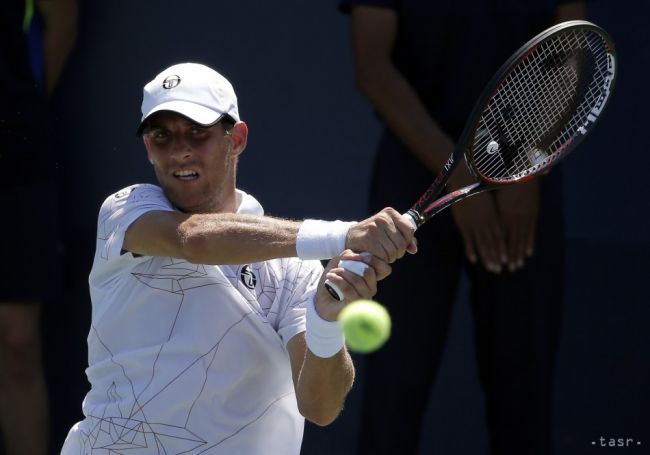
(356, 267)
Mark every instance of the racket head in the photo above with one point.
(541, 103)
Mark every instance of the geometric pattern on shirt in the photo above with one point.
(131, 432)
(178, 277)
(118, 435)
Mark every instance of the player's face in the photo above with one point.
(195, 165)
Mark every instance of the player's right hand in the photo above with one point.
(387, 235)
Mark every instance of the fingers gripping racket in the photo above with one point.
(538, 107)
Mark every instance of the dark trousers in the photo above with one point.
(516, 319)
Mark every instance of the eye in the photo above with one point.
(198, 131)
(159, 134)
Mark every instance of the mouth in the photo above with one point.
(186, 175)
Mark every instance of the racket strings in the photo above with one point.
(529, 101)
(540, 106)
(545, 104)
(523, 132)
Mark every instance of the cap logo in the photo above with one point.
(171, 82)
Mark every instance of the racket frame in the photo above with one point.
(426, 207)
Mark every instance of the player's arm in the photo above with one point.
(59, 36)
(229, 238)
(220, 238)
(322, 383)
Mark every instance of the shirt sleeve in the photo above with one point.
(301, 283)
(120, 210)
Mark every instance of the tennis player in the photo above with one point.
(211, 329)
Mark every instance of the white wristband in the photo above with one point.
(319, 239)
(324, 338)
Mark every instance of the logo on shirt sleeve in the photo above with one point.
(123, 193)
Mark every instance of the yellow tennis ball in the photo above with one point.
(366, 325)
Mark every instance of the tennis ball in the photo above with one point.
(366, 325)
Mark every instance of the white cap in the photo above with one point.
(193, 90)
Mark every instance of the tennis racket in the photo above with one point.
(538, 107)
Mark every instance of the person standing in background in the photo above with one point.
(36, 39)
(423, 64)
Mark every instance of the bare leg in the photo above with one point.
(23, 393)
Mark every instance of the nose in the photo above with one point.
(181, 148)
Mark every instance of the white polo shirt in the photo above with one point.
(189, 358)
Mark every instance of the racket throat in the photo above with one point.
(451, 198)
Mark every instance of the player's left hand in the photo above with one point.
(353, 286)
(518, 207)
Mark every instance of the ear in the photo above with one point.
(239, 137)
(145, 139)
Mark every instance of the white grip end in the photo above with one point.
(356, 267)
